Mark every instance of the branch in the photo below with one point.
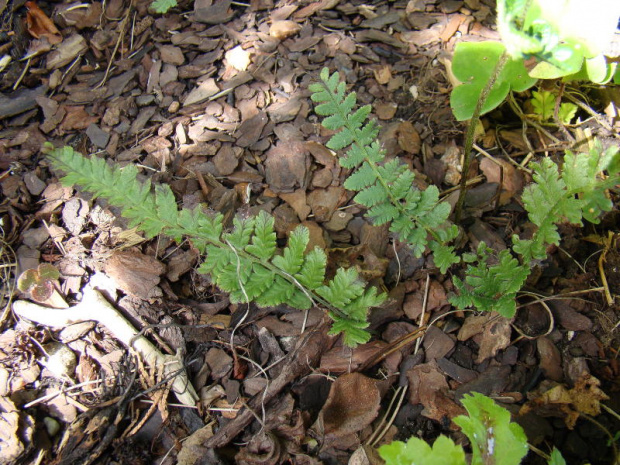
(94, 307)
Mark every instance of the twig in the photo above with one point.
(96, 308)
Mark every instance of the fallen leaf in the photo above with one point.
(558, 400)
(283, 29)
(427, 386)
(383, 74)
(495, 337)
(40, 25)
(135, 273)
(353, 403)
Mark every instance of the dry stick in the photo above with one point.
(471, 129)
(300, 361)
(96, 308)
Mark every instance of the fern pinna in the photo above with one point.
(577, 192)
(385, 187)
(245, 261)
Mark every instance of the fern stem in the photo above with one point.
(471, 130)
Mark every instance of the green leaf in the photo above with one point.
(494, 438)
(47, 271)
(567, 112)
(491, 287)
(263, 244)
(543, 104)
(556, 458)
(418, 452)
(312, 271)
(473, 64)
(163, 6)
(27, 280)
(292, 258)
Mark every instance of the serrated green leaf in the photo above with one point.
(491, 432)
(418, 452)
(263, 242)
(543, 103)
(292, 257)
(372, 195)
(312, 271)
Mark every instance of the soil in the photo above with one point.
(212, 99)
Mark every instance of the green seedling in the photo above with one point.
(40, 285)
(245, 262)
(543, 103)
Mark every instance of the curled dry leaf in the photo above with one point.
(15, 427)
(560, 401)
(40, 25)
(353, 403)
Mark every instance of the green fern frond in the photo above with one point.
(577, 193)
(385, 188)
(491, 287)
(244, 261)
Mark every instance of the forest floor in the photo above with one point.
(212, 99)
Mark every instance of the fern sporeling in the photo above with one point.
(385, 188)
(243, 262)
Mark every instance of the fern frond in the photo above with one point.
(385, 188)
(491, 287)
(577, 193)
(244, 261)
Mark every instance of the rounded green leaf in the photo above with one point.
(27, 280)
(475, 61)
(473, 64)
(48, 272)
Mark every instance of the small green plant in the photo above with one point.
(543, 103)
(245, 261)
(494, 439)
(575, 193)
(40, 284)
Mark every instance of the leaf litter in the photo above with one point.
(215, 104)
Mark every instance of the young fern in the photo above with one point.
(385, 187)
(576, 193)
(245, 261)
